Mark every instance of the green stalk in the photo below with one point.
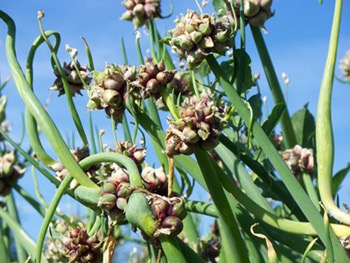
(33, 162)
(157, 142)
(286, 124)
(310, 189)
(30, 123)
(35, 204)
(126, 129)
(71, 105)
(232, 239)
(324, 130)
(3, 249)
(88, 52)
(188, 164)
(172, 249)
(292, 184)
(50, 212)
(13, 213)
(18, 231)
(239, 171)
(42, 117)
(274, 185)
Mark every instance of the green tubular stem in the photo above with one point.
(89, 55)
(3, 248)
(260, 171)
(324, 130)
(238, 170)
(35, 143)
(129, 164)
(42, 117)
(68, 95)
(12, 210)
(169, 103)
(30, 123)
(35, 204)
(48, 217)
(192, 168)
(139, 214)
(276, 91)
(290, 181)
(33, 162)
(310, 189)
(232, 239)
(23, 237)
(89, 197)
(285, 225)
(172, 250)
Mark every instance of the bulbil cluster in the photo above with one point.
(116, 190)
(299, 160)
(10, 170)
(196, 36)
(155, 180)
(151, 78)
(199, 126)
(72, 76)
(82, 248)
(137, 154)
(256, 12)
(111, 90)
(78, 154)
(168, 213)
(140, 11)
(181, 84)
(114, 193)
(345, 67)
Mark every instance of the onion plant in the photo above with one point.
(271, 185)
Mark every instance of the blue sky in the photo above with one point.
(297, 40)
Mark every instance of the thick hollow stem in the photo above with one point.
(324, 130)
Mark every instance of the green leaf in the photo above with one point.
(256, 104)
(338, 179)
(219, 4)
(304, 126)
(274, 118)
(242, 58)
(228, 67)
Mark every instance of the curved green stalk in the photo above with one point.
(286, 124)
(120, 159)
(13, 213)
(42, 117)
(324, 130)
(188, 164)
(30, 123)
(88, 52)
(35, 204)
(50, 212)
(239, 171)
(33, 162)
(4, 250)
(172, 249)
(23, 237)
(310, 189)
(232, 240)
(292, 184)
(66, 87)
